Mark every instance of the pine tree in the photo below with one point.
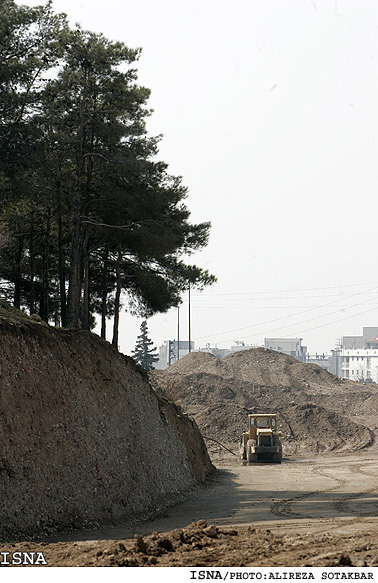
(93, 220)
(144, 353)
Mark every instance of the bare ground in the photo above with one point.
(318, 508)
(317, 512)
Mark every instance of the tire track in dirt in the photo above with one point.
(342, 505)
(283, 507)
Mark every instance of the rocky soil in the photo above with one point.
(84, 439)
(200, 544)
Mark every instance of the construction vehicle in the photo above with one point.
(261, 443)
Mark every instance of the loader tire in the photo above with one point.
(251, 457)
(278, 456)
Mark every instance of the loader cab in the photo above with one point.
(259, 423)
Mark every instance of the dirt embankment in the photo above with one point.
(318, 411)
(84, 438)
(203, 545)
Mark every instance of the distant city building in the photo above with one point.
(291, 346)
(171, 351)
(356, 357)
(215, 351)
(221, 352)
(369, 335)
(358, 364)
(322, 360)
(168, 351)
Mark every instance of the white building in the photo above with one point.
(358, 364)
(291, 346)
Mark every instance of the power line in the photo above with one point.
(308, 329)
(266, 307)
(299, 323)
(336, 321)
(258, 299)
(291, 316)
(289, 290)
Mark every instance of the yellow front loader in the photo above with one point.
(261, 443)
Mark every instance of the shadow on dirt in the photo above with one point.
(231, 498)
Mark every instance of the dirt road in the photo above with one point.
(321, 494)
(335, 493)
(306, 511)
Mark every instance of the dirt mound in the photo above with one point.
(318, 411)
(195, 362)
(200, 544)
(260, 366)
(271, 368)
(85, 440)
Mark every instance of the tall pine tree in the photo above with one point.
(93, 220)
(144, 353)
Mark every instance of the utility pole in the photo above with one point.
(189, 319)
(178, 332)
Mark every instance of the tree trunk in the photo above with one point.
(62, 273)
(44, 304)
(117, 300)
(86, 302)
(31, 266)
(86, 264)
(76, 267)
(17, 275)
(75, 285)
(104, 293)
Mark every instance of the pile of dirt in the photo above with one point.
(84, 439)
(318, 411)
(203, 545)
(260, 366)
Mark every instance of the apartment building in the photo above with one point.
(357, 357)
(358, 364)
(291, 346)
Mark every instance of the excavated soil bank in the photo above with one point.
(318, 412)
(84, 438)
(203, 545)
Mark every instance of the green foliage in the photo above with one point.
(88, 216)
(144, 353)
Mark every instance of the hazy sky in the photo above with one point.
(269, 110)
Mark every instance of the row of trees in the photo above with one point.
(88, 215)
